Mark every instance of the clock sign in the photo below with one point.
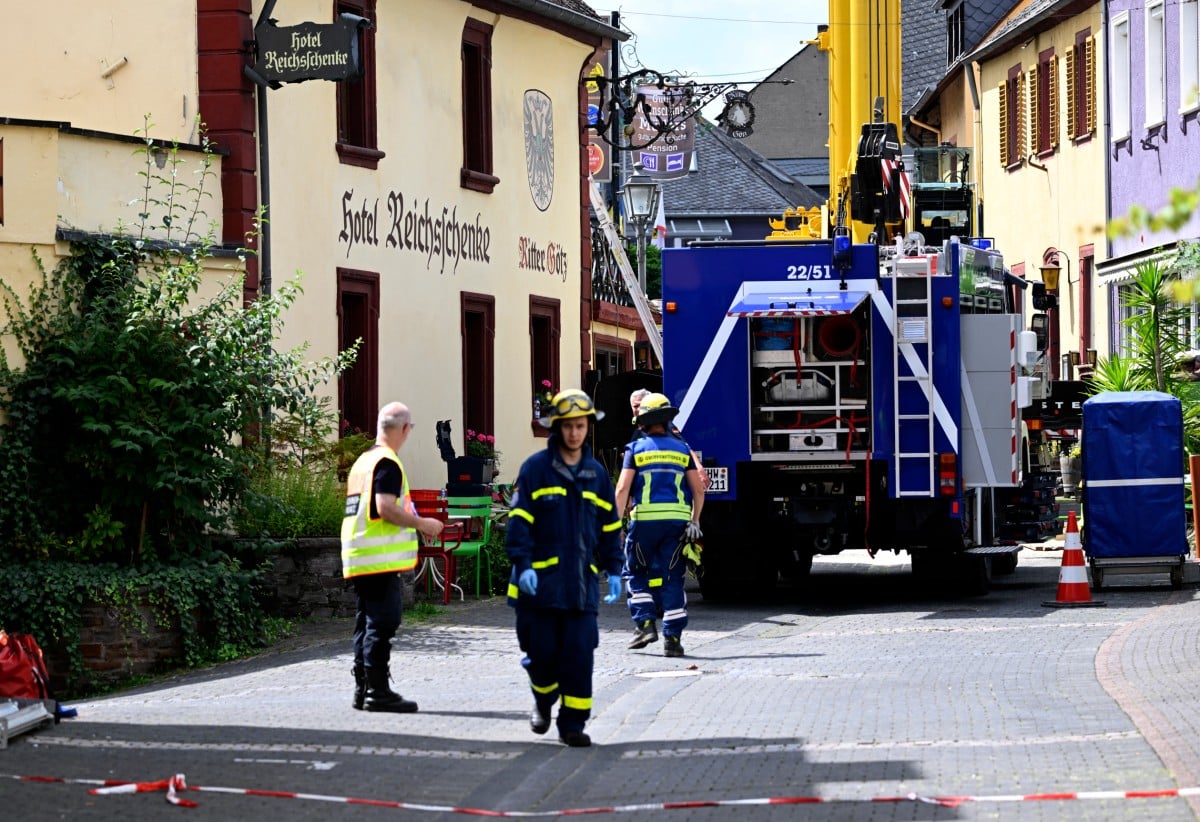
(539, 147)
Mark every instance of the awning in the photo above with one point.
(796, 305)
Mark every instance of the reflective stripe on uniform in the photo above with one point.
(544, 689)
(652, 511)
(549, 489)
(646, 458)
(522, 513)
(544, 563)
(655, 583)
(579, 703)
(602, 504)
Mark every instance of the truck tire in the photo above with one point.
(1004, 564)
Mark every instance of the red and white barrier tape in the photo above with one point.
(177, 783)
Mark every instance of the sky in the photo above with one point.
(715, 41)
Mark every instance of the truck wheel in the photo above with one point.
(975, 574)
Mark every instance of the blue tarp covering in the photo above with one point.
(1133, 464)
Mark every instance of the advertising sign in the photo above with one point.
(663, 156)
(599, 151)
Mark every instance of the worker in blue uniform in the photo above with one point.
(662, 481)
(563, 529)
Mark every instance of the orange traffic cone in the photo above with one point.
(1073, 588)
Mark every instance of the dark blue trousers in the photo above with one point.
(654, 570)
(559, 651)
(376, 619)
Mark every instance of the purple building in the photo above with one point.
(1153, 128)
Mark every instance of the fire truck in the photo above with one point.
(848, 384)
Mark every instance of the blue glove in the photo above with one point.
(614, 589)
(527, 582)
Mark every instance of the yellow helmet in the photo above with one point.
(568, 404)
(655, 409)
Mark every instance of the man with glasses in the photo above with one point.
(562, 529)
(379, 540)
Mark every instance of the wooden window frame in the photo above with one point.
(1081, 87)
(1043, 108)
(1012, 119)
(357, 108)
(365, 283)
(544, 363)
(485, 304)
(476, 173)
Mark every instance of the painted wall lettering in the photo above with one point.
(411, 226)
(552, 259)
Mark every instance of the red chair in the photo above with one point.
(432, 504)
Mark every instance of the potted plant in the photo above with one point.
(542, 395)
(483, 446)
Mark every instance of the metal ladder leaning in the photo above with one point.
(913, 411)
(631, 281)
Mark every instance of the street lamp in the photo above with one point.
(640, 198)
(1051, 267)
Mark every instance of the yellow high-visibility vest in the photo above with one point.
(374, 545)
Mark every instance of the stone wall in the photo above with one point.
(303, 581)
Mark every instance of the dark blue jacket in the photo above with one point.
(565, 526)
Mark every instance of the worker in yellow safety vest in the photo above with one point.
(379, 540)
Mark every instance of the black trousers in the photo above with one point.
(377, 618)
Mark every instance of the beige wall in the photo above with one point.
(420, 130)
(1028, 209)
(53, 54)
(54, 179)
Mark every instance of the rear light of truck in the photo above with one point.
(947, 475)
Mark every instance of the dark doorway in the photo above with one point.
(358, 319)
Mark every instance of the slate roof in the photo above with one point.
(732, 180)
(1040, 14)
(923, 41)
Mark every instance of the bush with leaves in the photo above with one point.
(126, 425)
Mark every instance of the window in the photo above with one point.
(477, 107)
(478, 361)
(1012, 118)
(1043, 104)
(358, 319)
(956, 33)
(1189, 55)
(357, 141)
(1121, 69)
(1081, 87)
(544, 332)
(612, 355)
(1156, 91)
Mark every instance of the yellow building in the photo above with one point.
(435, 207)
(1041, 157)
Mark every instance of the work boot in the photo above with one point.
(672, 646)
(360, 686)
(575, 739)
(643, 635)
(539, 722)
(381, 698)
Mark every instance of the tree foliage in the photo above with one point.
(127, 423)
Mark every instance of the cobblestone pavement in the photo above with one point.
(858, 689)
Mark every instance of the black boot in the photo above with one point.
(360, 686)
(575, 739)
(643, 634)
(539, 721)
(380, 697)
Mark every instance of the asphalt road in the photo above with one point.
(860, 692)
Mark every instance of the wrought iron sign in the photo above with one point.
(625, 97)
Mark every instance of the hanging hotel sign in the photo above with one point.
(309, 51)
(668, 155)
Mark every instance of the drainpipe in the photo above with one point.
(969, 71)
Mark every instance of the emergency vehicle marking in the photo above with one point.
(940, 411)
(809, 272)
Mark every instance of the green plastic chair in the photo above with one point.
(477, 513)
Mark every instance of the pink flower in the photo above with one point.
(546, 384)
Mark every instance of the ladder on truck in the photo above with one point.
(631, 282)
(915, 470)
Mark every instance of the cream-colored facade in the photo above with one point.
(507, 248)
(1047, 199)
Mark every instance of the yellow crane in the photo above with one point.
(862, 40)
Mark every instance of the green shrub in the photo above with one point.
(291, 503)
(213, 605)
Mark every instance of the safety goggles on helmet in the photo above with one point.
(568, 404)
(655, 409)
